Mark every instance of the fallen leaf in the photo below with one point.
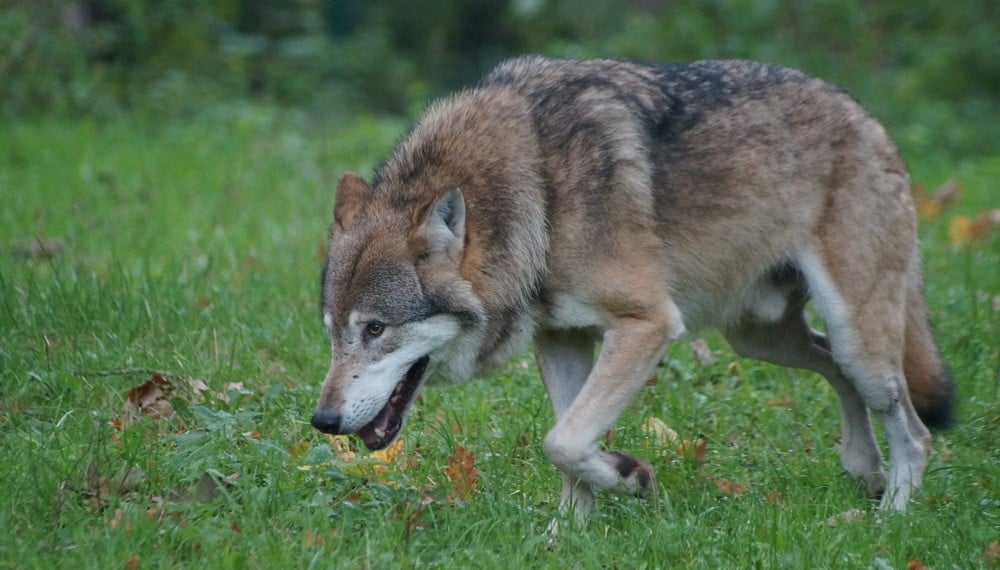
(462, 473)
(254, 263)
(148, 398)
(206, 490)
(232, 389)
(701, 352)
(310, 538)
(341, 445)
(98, 489)
(390, 453)
(963, 230)
(116, 519)
(195, 389)
(694, 451)
(38, 248)
(782, 402)
(252, 434)
(662, 434)
(132, 563)
(235, 526)
(929, 206)
(727, 487)
(960, 230)
(850, 516)
(915, 564)
(295, 450)
(992, 553)
(314, 539)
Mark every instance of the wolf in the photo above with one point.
(601, 209)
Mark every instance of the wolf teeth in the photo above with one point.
(379, 433)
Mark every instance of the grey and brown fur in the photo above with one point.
(614, 206)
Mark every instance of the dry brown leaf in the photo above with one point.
(992, 553)
(312, 539)
(694, 451)
(150, 399)
(132, 563)
(727, 487)
(701, 352)
(38, 248)
(782, 402)
(194, 389)
(206, 490)
(929, 206)
(962, 230)
(462, 473)
(915, 564)
(98, 489)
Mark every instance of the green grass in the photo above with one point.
(194, 248)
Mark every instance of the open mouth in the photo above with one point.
(380, 432)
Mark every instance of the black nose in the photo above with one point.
(326, 421)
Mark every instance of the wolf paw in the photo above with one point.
(873, 482)
(637, 477)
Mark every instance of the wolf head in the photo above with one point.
(394, 306)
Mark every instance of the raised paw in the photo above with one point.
(637, 477)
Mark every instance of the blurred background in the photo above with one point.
(930, 69)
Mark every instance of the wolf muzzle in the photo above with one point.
(326, 421)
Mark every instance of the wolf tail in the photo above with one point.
(930, 385)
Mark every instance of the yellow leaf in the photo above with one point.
(389, 454)
(341, 445)
(961, 230)
(930, 206)
(661, 433)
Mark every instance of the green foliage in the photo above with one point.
(931, 70)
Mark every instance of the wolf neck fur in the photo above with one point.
(459, 144)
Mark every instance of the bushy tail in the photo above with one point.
(931, 387)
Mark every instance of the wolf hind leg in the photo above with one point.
(792, 343)
(865, 313)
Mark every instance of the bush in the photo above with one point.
(932, 65)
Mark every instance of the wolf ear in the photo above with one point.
(352, 193)
(444, 231)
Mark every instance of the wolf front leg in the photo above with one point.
(631, 349)
(565, 359)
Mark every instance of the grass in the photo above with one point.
(193, 249)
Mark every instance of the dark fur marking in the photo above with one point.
(322, 285)
(625, 465)
(941, 413)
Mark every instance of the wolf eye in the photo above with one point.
(375, 328)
